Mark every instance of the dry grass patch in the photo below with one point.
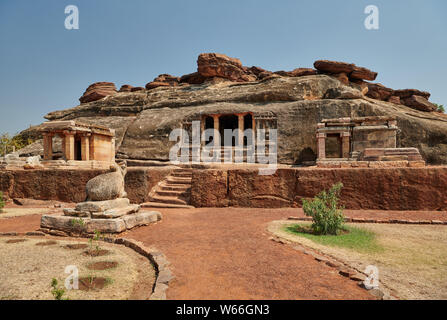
(27, 269)
(412, 259)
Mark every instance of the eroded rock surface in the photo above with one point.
(300, 99)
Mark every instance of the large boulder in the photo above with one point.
(98, 90)
(419, 103)
(219, 65)
(163, 80)
(407, 93)
(379, 91)
(350, 69)
(108, 186)
(126, 88)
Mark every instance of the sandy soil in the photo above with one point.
(225, 253)
(26, 270)
(413, 264)
(19, 212)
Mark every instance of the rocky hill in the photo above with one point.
(143, 117)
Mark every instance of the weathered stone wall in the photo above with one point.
(69, 185)
(364, 188)
(140, 181)
(61, 185)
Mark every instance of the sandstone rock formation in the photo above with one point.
(163, 80)
(350, 69)
(219, 65)
(126, 88)
(98, 90)
(299, 99)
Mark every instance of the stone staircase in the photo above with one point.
(173, 192)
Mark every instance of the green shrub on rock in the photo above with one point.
(327, 215)
(2, 202)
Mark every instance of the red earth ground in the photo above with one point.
(225, 253)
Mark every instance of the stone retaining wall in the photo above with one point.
(69, 185)
(364, 188)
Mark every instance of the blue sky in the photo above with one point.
(44, 67)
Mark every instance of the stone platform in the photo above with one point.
(69, 225)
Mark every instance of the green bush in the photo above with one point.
(57, 291)
(440, 107)
(8, 144)
(327, 215)
(2, 202)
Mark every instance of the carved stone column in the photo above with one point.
(240, 120)
(345, 144)
(85, 147)
(69, 142)
(216, 131)
(47, 146)
(321, 145)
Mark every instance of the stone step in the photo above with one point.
(173, 193)
(177, 187)
(178, 180)
(182, 174)
(167, 199)
(152, 204)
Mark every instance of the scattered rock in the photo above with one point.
(328, 66)
(192, 78)
(407, 93)
(98, 90)
(419, 103)
(126, 88)
(163, 80)
(379, 91)
(361, 73)
(219, 65)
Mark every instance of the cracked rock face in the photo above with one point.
(143, 119)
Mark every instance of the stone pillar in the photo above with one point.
(47, 146)
(202, 129)
(253, 127)
(321, 146)
(345, 144)
(216, 131)
(240, 120)
(91, 144)
(69, 142)
(85, 148)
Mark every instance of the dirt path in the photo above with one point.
(226, 254)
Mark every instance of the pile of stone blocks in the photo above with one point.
(110, 216)
(107, 209)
